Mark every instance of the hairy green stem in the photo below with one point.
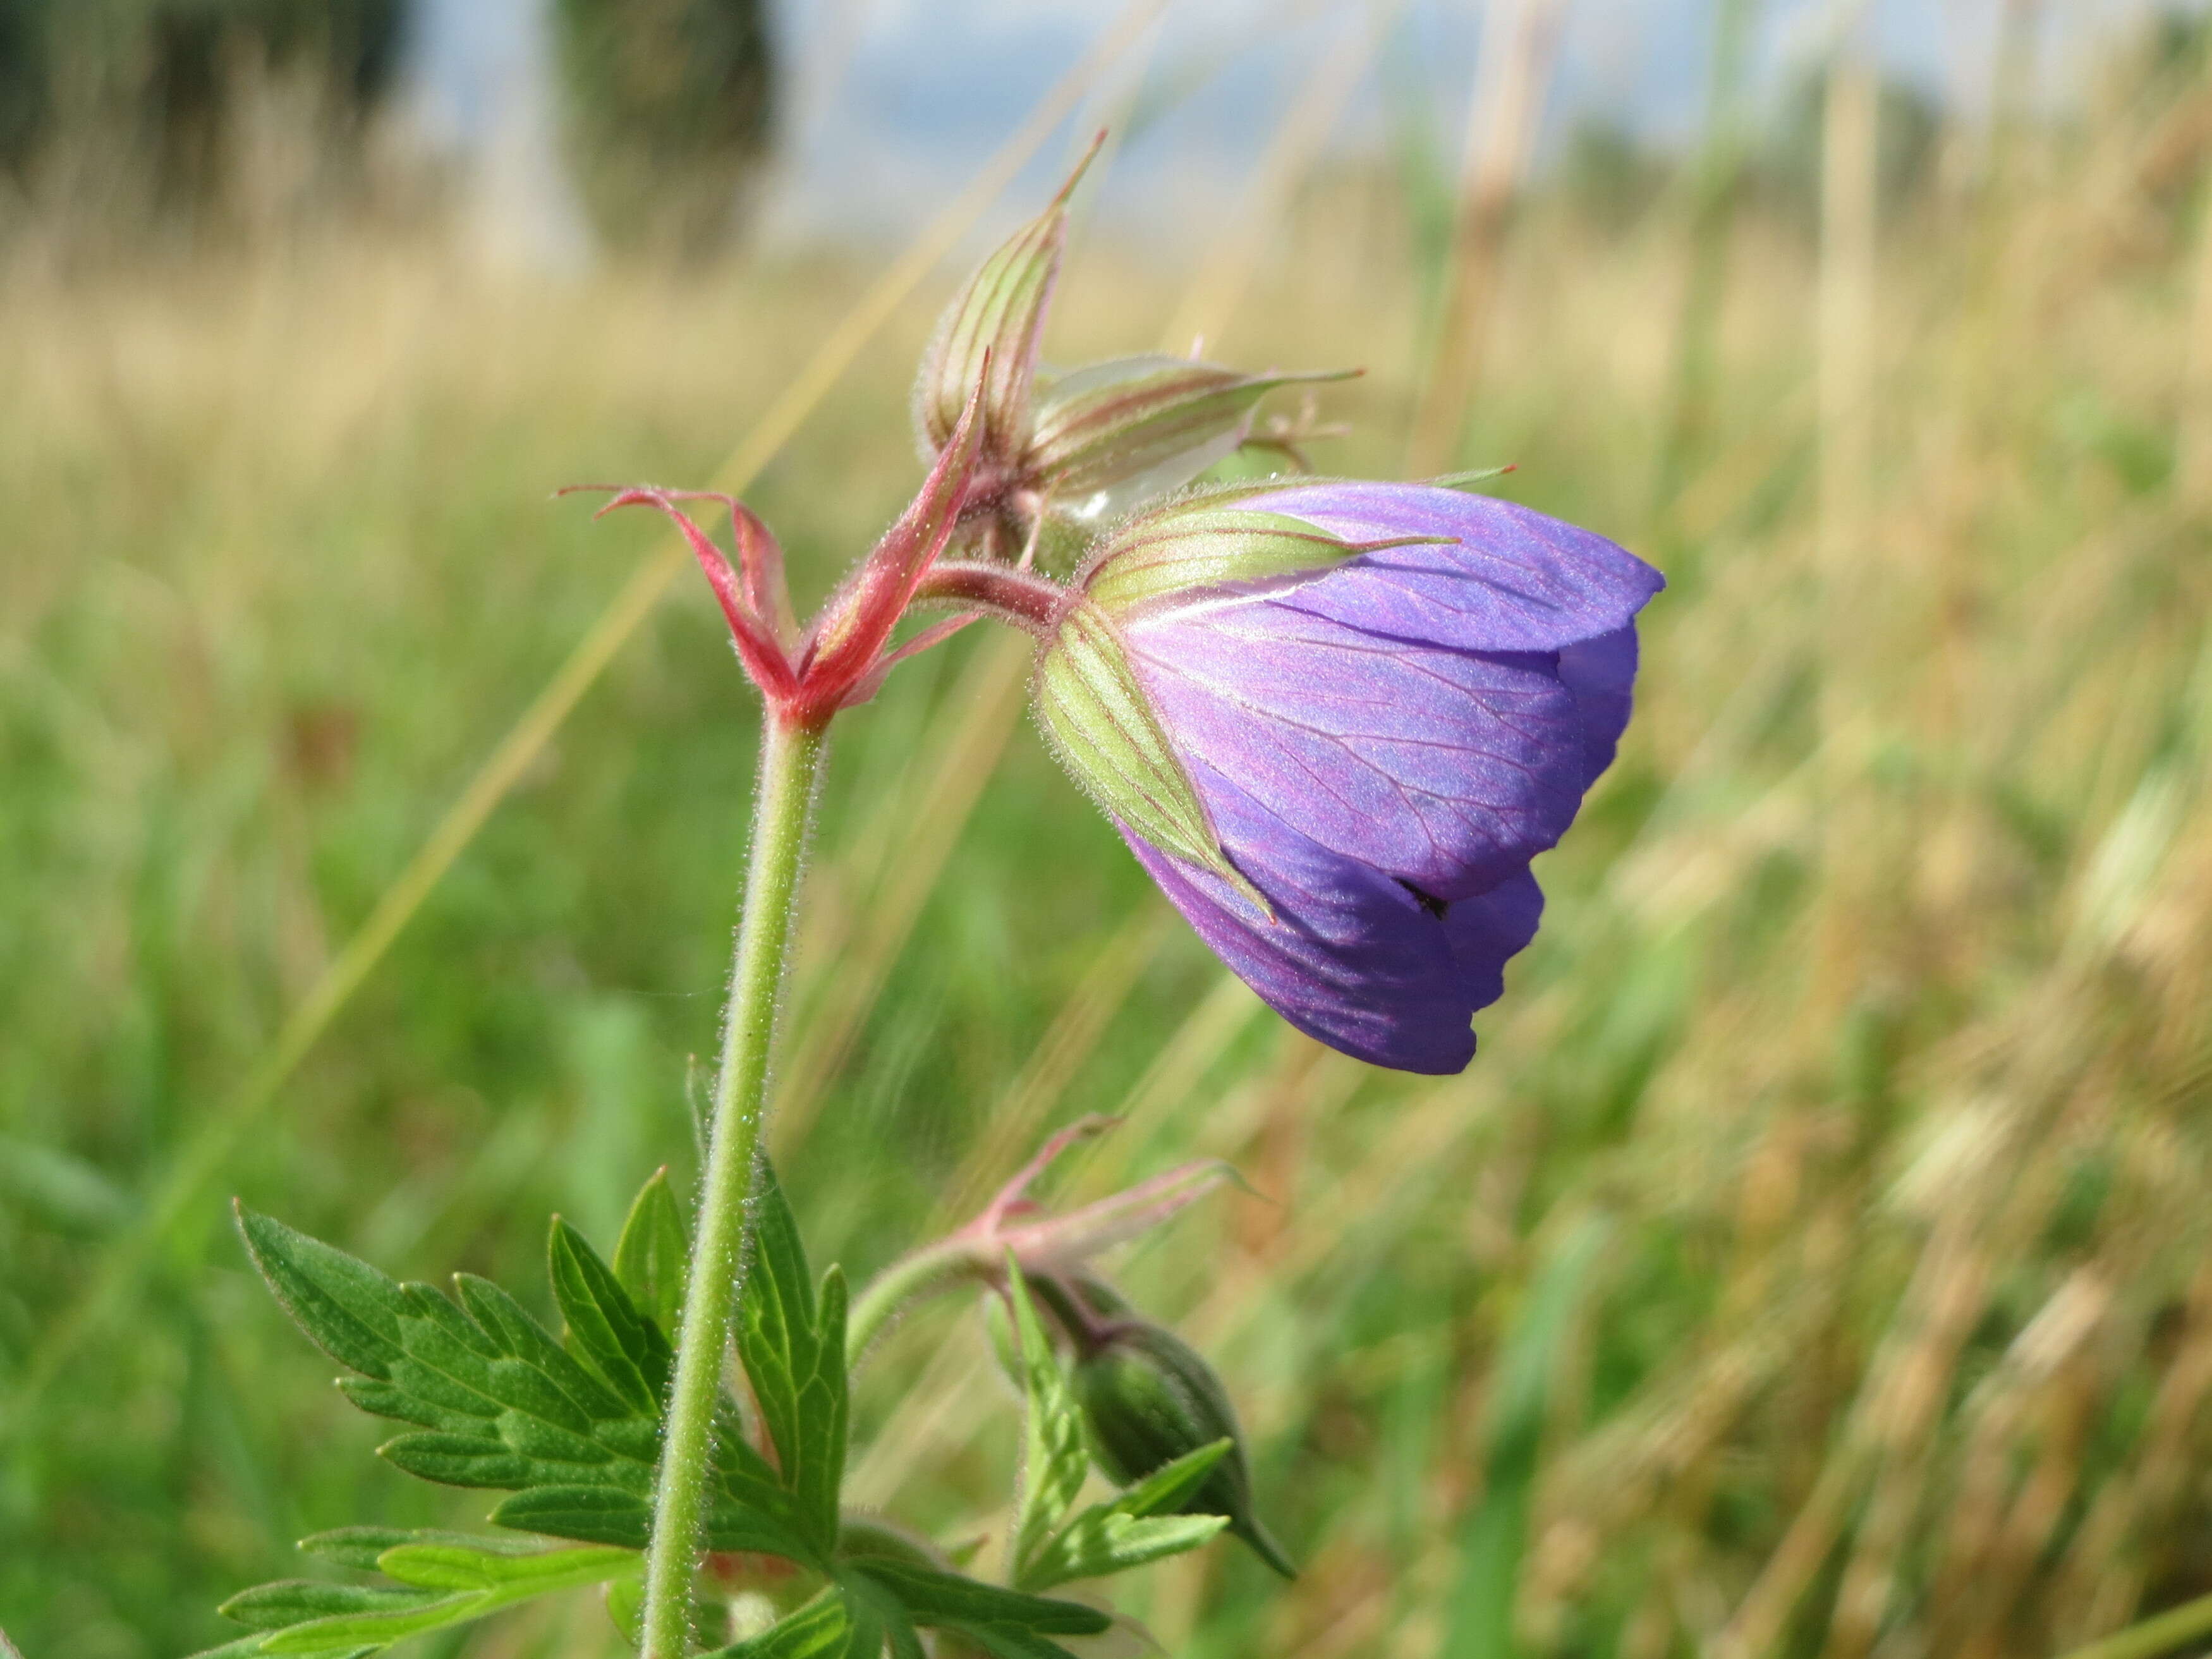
(789, 759)
(933, 1268)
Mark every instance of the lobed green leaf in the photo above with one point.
(792, 1346)
(295, 1600)
(652, 1259)
(356, 1546)
(499, 1403)
(946, 1601)
(346, 1308)
(489, 1564)
(1055, 1460)
(1102, 1540)
(481, 1576)
(1138, 1526)
(606, 1330)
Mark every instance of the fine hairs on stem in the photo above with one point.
(790, 762)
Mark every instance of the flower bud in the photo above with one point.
(1149, 1398)
(998, 315)
(1110, 437)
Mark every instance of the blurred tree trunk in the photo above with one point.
(669, 106)
(160, 90)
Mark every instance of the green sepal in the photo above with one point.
(1000, 312)
(653, 1258)
(1468, 480)
(1102, 724)
(1163, 420)
(1201, 546)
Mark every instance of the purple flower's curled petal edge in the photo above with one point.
(1489, 930)
(1414, 708)
(1353, 957)
(1511, 580)
(1601, 674)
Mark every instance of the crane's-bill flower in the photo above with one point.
(1335, 721)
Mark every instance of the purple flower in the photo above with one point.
(1382, 701)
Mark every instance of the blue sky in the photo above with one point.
(893, 103)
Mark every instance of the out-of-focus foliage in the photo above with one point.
(1908, 128)
(1611, 175)
(166, 85)
(669, 107)
(23, 72)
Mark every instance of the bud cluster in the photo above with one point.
(1022, 457)
(1076, 448)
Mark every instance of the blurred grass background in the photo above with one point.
(1813, 1262)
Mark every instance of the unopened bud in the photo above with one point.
(999, 314)
(1110, 437)
(1149, 1398)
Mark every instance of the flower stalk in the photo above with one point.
(790, 760)
(1015, 1226)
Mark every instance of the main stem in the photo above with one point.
(790, 756)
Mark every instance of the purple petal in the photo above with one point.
(1488, 929)
(1384, 745)
(1446, 769)
(1513, 579)
(1601, 675)
(1352, 957)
